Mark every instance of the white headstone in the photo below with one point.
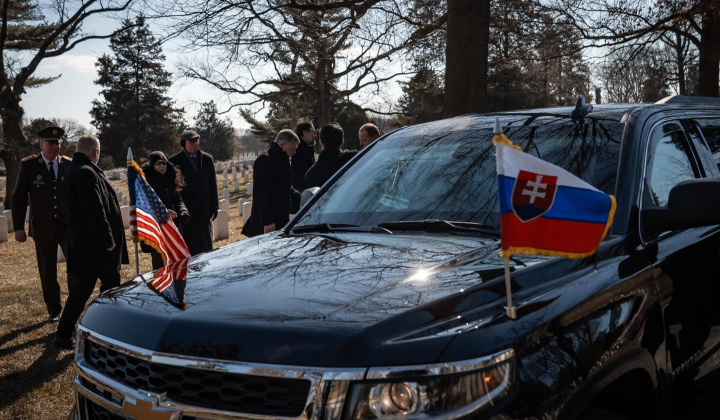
(225, 183)
(125, 211)
(225, 205)
(225, 173)
(226, 193)
(249, 187)
(240, 206)
(246, 178)
(123, 200)
(246, 209)
(8, 216)
(236, 184)
(60, 255)
(234, 174)
(221, 227)
(3, 229)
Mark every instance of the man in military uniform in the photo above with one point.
(41, 180)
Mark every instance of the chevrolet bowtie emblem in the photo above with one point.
(146, 408)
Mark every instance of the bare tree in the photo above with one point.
(60, 30)
(613, 23)
(263, 51)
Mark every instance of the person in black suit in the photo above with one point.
(303, 159)
(272, 184)
(200, 193)
(40, 184)
(97, 236)
(331, 158)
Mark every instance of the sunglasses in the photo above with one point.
(160, 163)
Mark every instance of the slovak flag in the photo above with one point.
(545, 209)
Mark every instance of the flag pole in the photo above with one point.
(137, 257)
(510, 310)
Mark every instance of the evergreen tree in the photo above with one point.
(217, 136)
(422, 98)
(135, 111)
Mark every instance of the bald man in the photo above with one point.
(97, 236)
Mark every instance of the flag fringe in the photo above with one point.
(501, 138)
(133, 164)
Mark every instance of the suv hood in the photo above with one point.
(311, 300)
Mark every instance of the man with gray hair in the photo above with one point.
(97, 236)
(273, 191)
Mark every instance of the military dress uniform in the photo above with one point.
(40, 188)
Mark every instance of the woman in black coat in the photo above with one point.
(167, 182)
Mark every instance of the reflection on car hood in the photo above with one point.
(279, 299)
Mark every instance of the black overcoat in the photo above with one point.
(94, 219)
(200, 196)
(272, 191)
(329, 162)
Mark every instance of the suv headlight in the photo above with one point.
(446, 391)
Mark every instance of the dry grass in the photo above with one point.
(36, 380)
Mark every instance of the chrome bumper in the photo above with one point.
(327, 390)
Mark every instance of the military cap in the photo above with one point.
(189, 135)
(50, 133)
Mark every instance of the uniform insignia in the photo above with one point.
(31, 157)
(39, 177)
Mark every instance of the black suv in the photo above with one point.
(384, 296)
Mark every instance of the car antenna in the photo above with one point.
(581, 110)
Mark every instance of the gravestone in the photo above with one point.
(249, 189)
(246, 209)
(123, 200)
(221, 226)
(60, 255)
(234, 172)
(125, 211)
(225, 205)
(3, 229)
(240, 206)
(226, 194)
(236, 184)
(225, 183)
(8, 216)
(246, 178)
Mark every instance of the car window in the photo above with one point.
(448, 172)
(670, 163)
(710, 129)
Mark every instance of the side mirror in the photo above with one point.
(693, 203)
(307, 195)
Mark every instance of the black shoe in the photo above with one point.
(64, 343)
(53, 318)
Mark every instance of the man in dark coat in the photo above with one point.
(331, 158)
(272, 186)
(97, 236)
(303, 159)
(41, 180)
(200, 193)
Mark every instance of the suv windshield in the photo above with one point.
(447, 171)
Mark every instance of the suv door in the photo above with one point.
(684, 258)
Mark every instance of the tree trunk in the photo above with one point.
(709, 65)
(466, 54)
(680, 59)
(16, 144)
(323, 93)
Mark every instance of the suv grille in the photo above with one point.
(203, 388)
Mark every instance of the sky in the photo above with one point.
(72, 94)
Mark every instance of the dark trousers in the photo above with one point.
(197, 234)
(81, 287)
(157, 260)
(46, 252)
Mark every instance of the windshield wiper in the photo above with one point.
(435, 225)
(337, 227)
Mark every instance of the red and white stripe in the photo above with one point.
(166, 236)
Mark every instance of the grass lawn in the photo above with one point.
(36, 380)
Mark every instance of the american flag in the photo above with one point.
(150, 221)
(169, 282)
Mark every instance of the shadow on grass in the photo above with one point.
(14, 334)
(47, 366)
